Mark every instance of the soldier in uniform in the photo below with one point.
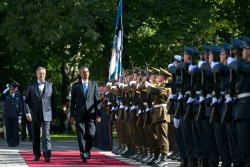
(160, 118)
(12, 108)
(242, 115)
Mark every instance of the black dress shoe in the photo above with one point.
(36, 158)
(88, 155)
(84, 160)
(47, 159)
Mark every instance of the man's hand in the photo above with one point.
(72, 120)
(98, 119)
(28, 116)
(53, 121)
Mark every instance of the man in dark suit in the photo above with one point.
(41, 110)
(84, 110)
(25, 123)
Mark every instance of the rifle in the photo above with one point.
(121, 116)
(227, 115)
(149, 101)
(133, 116)
(202, 105)
(171, 101)
(215, 116)
(140, 121)
(190, 113)
(179, 110)
(112, 117)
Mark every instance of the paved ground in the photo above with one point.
(10, 157)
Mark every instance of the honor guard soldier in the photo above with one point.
(12, 109)
(242, 114)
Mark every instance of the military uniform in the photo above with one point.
(12, 108)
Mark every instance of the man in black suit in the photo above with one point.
(41, 110)
(84, 110)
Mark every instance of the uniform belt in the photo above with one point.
(145, 103)
(198, 92)
(209, 95)
(187, 93)
(160, 105)
(242, 95)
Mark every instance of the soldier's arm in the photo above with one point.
(243, 67)
(154, 89)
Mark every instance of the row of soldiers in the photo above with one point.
(208, 105)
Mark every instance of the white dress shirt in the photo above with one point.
(41, 86)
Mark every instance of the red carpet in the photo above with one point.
(72, 158)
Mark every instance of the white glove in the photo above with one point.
(147, 109)
(212, 64)
(132, 82)
(172, 96)
(109, 84)
(192, 100)
(113, 87)
(176, 123)
(122, 106)
(109, 103)
(112, 108)
(214, 100)
(137, 86)
(201, 99)
(19, 117)
(230, 60)
(139, 112)
(180, 97)
(191, 67)
(172, 64)
(200, 63)
(121, 85)
(126, 108)
(147, 84)
(6, 90)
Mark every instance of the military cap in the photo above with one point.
(155, 71)
(128, 72)
(177, 58)
(205, 49)
(100, 84)
(215, 48)
(14, 84)
(165, 73)
(143, 72)
(189, 51)
(237, 44)
(226, 47)
(246, 42)
(104, 84)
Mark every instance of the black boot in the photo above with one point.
(155, 160)
(129, 152)
(184, 163)
(171, 156)
(192, 163)
(140, 155)
(118, 150)
(150, 158)
(203, 162)
(136, 152)
(163, 161)
(146, 156)
(124, 150)
(214, 164)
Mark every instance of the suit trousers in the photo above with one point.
(46, 144)
(86, 130)
(179, 140)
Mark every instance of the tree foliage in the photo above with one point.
(64, 35)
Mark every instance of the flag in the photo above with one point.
(116, 57)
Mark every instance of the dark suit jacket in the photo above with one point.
(12, 106)
(80, 104)
(41, 106)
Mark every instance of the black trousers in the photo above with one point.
(46, 145)
(211, 144)
(179, 140)
(85, 129)
(11, 125)
(26, 123)
(243, 132)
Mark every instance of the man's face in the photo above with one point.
(143, 78)
(158, 78)
(84, 73)
(24, 92)
(186, 58)
(223, 58)
(105, 89)
(12, 90)
(246, 54)
(210, 58)
(128, 78)
(100, 88)
(152, 77)
(206, 57)
(41, 74)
